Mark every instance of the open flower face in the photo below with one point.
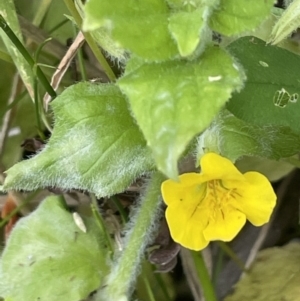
(215, 204)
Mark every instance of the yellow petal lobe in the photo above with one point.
(214, 166)
(187, 234)
(258, 198)
(173, 191)
(225, 225)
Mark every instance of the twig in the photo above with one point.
(63, 66)
(54, 48)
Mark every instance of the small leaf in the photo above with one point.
(235, 138)
(95, 145)
(274, 276)
(188, 29)
(138, 26)
(103, 38)
(288, 22)
(48, 258)
(173, 101)
(271, 93)
(232, 17)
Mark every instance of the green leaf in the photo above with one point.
(188, 28)
(173, 101)
(49, 258)
(95, 146)
(235, 138)
(274, 276)
(273, 170)
(272, 87)
(103, 38)
(232, 17)
(8, 11)
(138, 26)
(288, 22)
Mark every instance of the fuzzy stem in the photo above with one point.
(124, 272)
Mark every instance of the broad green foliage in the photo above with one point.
(95, 145)
(139, 26)
(271, 93)
(274, 276)
(174, 101)
(289, 22)
(49, 258)
(235, 138)
(235, 17)
(178, 82)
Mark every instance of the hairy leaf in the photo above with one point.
(259, 283)
(173, 101)
(138, 26)
(235, 138)
(49, 258)
(95, 145)
(271, 93)
(188, 28)
(232, 17)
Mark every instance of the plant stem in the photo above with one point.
(37, 107)
(4, 56)
(217, 266)
(142, 225)
(206, 285)
(14, 39)
(94, 47)
(163, 286)
(148, 288)
(121, 210)
(232, 255)
(82, 69)
(99, 220)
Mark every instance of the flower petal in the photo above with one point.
(186, 215)
(214, 166)
(225, 224)
(186, 231)
(173, 192)
(258, 198)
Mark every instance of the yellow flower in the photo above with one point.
(215, 204)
